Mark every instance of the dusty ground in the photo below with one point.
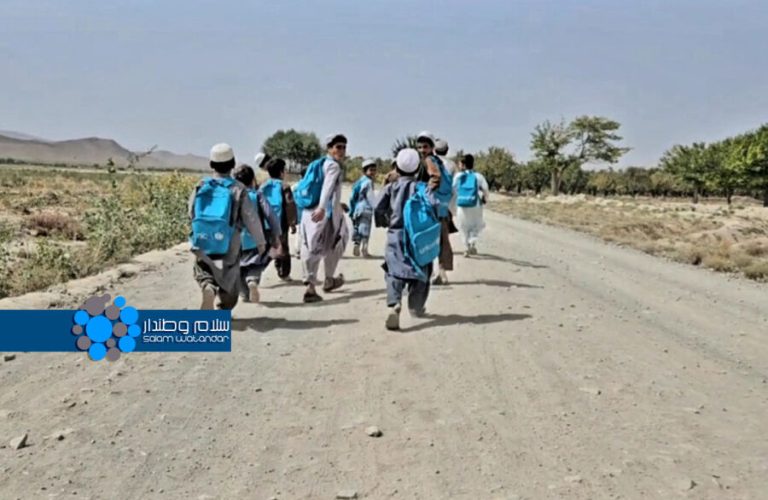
(554, 366)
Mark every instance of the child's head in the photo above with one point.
(408, 162)
(369, 168)
(468, 161)
(336, 145)
(441, 147)
(276, 168)
(425, 143)
(222, 158)
(245, 174)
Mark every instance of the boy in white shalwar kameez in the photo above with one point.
(324, 231)
(470, 218)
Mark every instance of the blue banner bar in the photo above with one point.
(126, 330)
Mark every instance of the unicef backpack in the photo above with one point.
(467, 190)
(212, 225)
(307, 191)
(246, 240)
(356, 188)
(421, 230)
(272, 191)
(444, 191)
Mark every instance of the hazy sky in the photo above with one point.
(187, 74)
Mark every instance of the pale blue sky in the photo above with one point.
(187, 74)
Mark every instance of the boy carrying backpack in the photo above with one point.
(409, 209)
(280, 198)
(361, 209)
(471, 194)
(253, 262)
(219, 208)
(324, 231)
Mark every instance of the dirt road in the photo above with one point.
(554, 366)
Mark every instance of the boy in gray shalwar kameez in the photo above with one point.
(220, 274)
(324, 231)
(400, 273)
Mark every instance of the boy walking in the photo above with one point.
(280, 198)
(361, 209)
(441, 183)
(253, 262)
(472, 192)
(324, 231)
(402, 270)
(219, 208)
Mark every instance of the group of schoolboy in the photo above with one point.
(240, 227)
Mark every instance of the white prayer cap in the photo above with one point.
(221, 153)
(441, 146)
(259, 160)
(370, 162)
(408, 160)
(331, 139)
(426, 134)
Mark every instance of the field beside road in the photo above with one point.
(707, 234)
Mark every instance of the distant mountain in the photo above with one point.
(88, 152)
(19, 135)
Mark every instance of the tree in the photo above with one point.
(535, 175)
(692, 165)
(298, 148)
(409, 141)
(728, 159)
(586, 139)
(496, 165)
(755, 166)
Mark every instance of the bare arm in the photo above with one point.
(434, 173)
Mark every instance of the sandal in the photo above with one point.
(333, 283)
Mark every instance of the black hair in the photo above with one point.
(245, 174)
(424, 139)
(337, 139)
(367, 167)
(406, 174)
(264, 161)
(275, 167)
(223, 167)
(442, 151)
(468, 161)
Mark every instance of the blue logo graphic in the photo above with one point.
(106, 330)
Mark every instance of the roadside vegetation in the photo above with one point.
(60, 225)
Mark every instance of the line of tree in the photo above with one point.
(734, 166)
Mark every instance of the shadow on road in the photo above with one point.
(268, 324)
(297, 283)
(521, 263)
(498, 283)
(456, 319)
(337, 298)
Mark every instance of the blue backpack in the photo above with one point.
(467, 194)
(246, 240)
(272, 191)
(354, 200)
(421, 230)
(307, 191)
(212, 225)
(444, 192)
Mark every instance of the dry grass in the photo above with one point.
(708, 235)
(56, 225)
